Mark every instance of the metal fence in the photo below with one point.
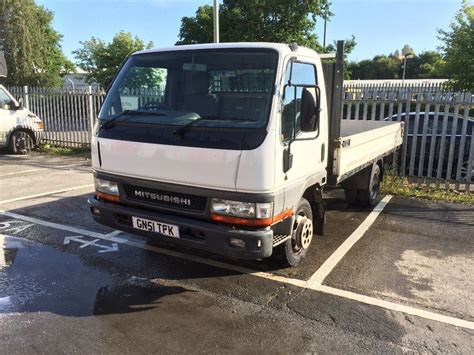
(439, 141)
(68, 115)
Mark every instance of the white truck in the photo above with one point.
(20, 129)
(227, 147)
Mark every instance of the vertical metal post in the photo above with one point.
(324, 38)
(335, 108)
(26, 97)
(216, 21)
(91, 111)
(404, 67)
(325, 23)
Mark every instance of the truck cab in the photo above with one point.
(221, 147)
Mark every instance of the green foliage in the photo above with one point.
(64, 151)
(257, 21)
(32, 47)
(101, 60)
(349, 45)
(407, 50)
(197, 29)
(429, 64)
(394, 184)
(458, 49)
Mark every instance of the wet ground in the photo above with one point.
(396, 279)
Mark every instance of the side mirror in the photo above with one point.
(14, 105)
(310, 107)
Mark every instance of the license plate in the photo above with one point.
(143, 224)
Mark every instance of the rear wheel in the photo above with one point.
(294, 250)
(21, 142)
(366, 197)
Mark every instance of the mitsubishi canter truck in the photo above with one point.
(227, 147)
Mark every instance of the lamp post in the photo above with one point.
(216, 21)
(405, 57)
(325, 24)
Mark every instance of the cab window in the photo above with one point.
(5, 100)
(299, 74)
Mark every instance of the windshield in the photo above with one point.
(215, 88)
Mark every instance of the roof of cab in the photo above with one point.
(280, 47)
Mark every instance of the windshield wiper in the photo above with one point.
(182, 129)
(112, 121)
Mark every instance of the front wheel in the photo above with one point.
(21, 142)
(294, 250)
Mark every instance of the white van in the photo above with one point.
(231, 156)
(20, 129)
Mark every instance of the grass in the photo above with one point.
(62, 151)
(394, 184)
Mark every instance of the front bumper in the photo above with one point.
(193, 233)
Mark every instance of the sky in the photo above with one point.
(380, 26)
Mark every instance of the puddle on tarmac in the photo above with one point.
(38, 278)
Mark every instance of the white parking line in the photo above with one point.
(265, 275)
(398, 307)
(22, 172)
(325, 269)
(75, 230)
(114, 233)
(45, 194)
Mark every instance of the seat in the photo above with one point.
(196, 94)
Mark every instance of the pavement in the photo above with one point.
(394, 279)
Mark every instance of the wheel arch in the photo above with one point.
(26, 129)
(314, 196)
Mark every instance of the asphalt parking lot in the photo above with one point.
(394, 279)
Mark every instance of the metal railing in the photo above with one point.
(68, 115)
(438, 144)
(439, 141)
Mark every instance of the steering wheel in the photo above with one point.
(154, 105)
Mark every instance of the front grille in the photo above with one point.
(168, 199)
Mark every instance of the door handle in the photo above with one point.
(323, 152)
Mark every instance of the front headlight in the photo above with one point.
(242, 209)
(106, 187)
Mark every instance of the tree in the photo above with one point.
(257, 20)
(32, 47)
(349, 45)
(458, 49)
(380, 67)
(428, 64)
(407, 50)
(101, 60)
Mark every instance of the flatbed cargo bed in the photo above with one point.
(361, 143)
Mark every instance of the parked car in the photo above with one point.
(438, 135)
(20, 129)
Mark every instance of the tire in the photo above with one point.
(366, 197)
(21, 142)
(289, 254)
(373, 192)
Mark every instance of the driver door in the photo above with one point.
(307, 148)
